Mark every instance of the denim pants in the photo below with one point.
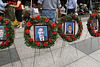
(51, 15)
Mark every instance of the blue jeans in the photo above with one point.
(51, 15)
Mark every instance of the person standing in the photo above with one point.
(49, 8)
(18, 12)
(2, 7)
(72, 6)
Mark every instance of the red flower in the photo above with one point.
(63, 18)
(93, 15)
(68, 38)
(9, 2)
(96, 34)
(7, 35)
(7, 22)
(72, 35)
(38, 18)
(7, 41)
(91, 27)
(96, 13)
(54, 33)
(93, 31)
(28, 24)
(81, 29)
(45, 44)
(53, 25)
(6, 29)
(74, 39)
(99, 31)
(80, 23)
(50, 40)
(31, 39)
(59, 26)
(79, 34)
(1, 18)
(33, 18)
(90, 21)
(12, 2)
(27, 32)
(74, 16)
(46, 20)
(63, 34)
(2, 44)
(37, 43)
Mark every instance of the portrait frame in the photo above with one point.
(73, 27)
(3, 33)
(96, 24)
(47, 32)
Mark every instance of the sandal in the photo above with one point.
(20, 27)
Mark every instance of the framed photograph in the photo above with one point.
(41, 33)
(69, 28)
(2, 34)
(94, 24)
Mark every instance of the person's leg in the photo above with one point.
(71, 11)
(20, 18)
(1, 14)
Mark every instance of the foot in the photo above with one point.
(20, 27)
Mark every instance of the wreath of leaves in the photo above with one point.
(61, 31)
(90, 27)
(29, 40)
(9, 33)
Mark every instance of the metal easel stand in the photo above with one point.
(63, 44)
(39, 54)
(10, 56)
(18, 56)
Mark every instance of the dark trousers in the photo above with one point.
(71, 11)
(1, 14)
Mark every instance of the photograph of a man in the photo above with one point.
(2, 33)
(94, 24)
(69, 28)
(41, 33)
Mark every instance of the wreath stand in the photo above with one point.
(72, 38)
(90, 28)
(9, 36)
(40, 45)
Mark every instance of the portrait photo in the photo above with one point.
(94, 24)
(69, 27)
(2, 33)
(40, 33)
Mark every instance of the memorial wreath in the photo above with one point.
(90, 26)
(61, 32)
(9, 31)
(29, 40)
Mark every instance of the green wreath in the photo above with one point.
(90, 27)
(29, 41)
(9, 33)
(70, 38)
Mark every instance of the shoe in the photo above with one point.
(20, 27)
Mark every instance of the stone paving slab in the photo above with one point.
(88, 46)
(85, 62)
(8, 56)
(45, 60)
(96, 55)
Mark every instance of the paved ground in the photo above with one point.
(82, 53)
